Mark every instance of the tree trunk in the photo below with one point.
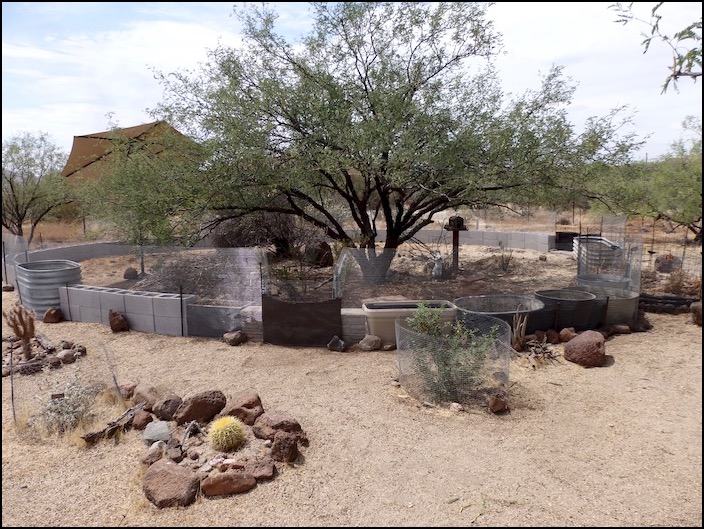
(374, 264)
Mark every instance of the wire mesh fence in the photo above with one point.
(465, 361)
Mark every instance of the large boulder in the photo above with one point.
(587, 349)
(167, 484)
(201, 407)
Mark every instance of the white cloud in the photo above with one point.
(66, 65)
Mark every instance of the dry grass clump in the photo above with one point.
(682, 283)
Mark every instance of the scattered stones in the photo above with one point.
(166, 484)
(43, 355)
(53, 315)
(370, 343)
(201, 407)
(182, 463)
(235, 337)
(498, 403)
(336, 344)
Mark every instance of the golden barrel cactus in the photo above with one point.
(226, 434)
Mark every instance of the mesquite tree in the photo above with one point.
(31, 184)
(384, 115)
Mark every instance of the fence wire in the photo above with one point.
(467, 362)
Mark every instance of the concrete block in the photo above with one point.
(170, 326)
(89, 314)
(167, 305)
(516, 240)
(72, 312)
(491, 238)
(63, 299)
(475, 237)
(89, 297)
(140, 322)
(140, 303)
(112, 299)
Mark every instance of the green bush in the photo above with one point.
(447, 355)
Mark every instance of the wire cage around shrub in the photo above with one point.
(466, 362)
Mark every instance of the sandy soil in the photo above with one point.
(619, 445)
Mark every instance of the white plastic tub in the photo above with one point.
(381, 315)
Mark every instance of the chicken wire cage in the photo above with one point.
(467, 362)
(612, 262)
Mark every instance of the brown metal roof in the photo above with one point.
(89, 152)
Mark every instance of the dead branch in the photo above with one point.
(518, 339)
(44, 342)
(191, 429)
(122, 423)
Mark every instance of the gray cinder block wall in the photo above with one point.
(164, 313)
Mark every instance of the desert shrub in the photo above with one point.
(448, 356)
(226, 434)
(505, 257)
(289, 236)
(682, 283)
(426, 320)
(68, 407)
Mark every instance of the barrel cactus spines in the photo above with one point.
(226, 434)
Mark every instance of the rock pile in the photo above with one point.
(180, 461)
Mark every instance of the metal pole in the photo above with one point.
(4, 262)
(455, 250)
(180, 296)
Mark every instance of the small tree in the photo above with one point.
(144, 188)
(31, 182)
(669, 188)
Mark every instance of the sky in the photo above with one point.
(76, 68)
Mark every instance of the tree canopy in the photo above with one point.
(31, 184)
(668, 188)
(384, 115)
(145, 186)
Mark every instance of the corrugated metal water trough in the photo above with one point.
(502, 306)
(564, 308)
(39, 282)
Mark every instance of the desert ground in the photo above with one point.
(619, 445)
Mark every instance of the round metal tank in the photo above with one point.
(612, 306)
(566, 308)
(39, 282)
(603, 281)
(502, 306)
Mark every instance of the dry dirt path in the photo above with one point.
(614, 446)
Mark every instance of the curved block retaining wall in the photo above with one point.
(148, 311)
(154, 312)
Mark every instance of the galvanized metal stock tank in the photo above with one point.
(39, 282)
